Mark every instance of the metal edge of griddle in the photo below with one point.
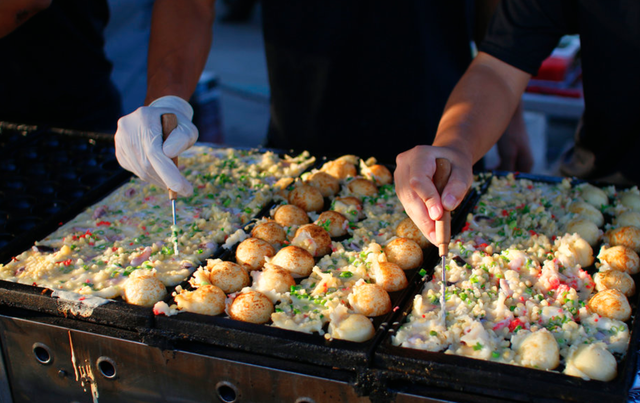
(410, 370)
(114, 313)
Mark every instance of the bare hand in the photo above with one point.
(415, 188)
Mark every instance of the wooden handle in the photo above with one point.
(443, 226)
(169, 122)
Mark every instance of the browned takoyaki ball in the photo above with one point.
(334, 223)
(144, 290)
(611, 304)
(289, 215)
(379, 174)
(340, 169)
(405, 253)
(626, 236)
(361, 187)
(314, 239)
(251, 306)
(620, 258)
(205, 300)
(391, 277)
(327, 185)
(296, 260)
(408, 229)
(370, 299)
(228, 276)
(306, 197)
(271, 232)
(617, 280)
(252, 253)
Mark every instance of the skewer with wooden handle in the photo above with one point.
(170, 122)
(443, 226)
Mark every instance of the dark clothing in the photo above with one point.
(524, 32)
(54, 70)
(369, 78)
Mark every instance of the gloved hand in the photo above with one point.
(140, 149)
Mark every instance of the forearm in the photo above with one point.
(181, 33)
(480, 107)
(14, 13)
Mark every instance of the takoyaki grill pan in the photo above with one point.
(438, 375)
(48, 176)
(292, 345)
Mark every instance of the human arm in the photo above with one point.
(514, 149)
(178, 48)
(476, 114)
(14, 13)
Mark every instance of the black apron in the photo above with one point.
(369, 78)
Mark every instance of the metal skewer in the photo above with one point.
(443, 228)
(170, 122)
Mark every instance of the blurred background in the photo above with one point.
(232, 101)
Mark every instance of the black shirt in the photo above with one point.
(524, 32)
(369, 78)
(54, 70)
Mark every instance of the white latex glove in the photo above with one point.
(140, 149)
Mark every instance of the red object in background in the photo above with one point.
(560, 74)
(554, 68)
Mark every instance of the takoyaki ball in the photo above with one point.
(271, 232)
(586, 229)
(251, 306)
(379, 174)
(593, 361)
(334, 223)
(350, 207)
(205, 300)
(325, 183)
(630, 200)
(355, 327)
(306, 197)
(573, 250)
(272, 280)
(144, 290)
(611, 304)
(252, 253)
(289, 215)
(283, 186)
(369, 299)
(361, 187)
(315, 239)
(626, 236)
(391, 277)
(615, 280)
(340, 168)
(538, 349)
(408, 229)
(620, 258)
(594, 195)
(628, 219)
(587, 211)
(296, 260)
(405, 253)
(228, 276)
